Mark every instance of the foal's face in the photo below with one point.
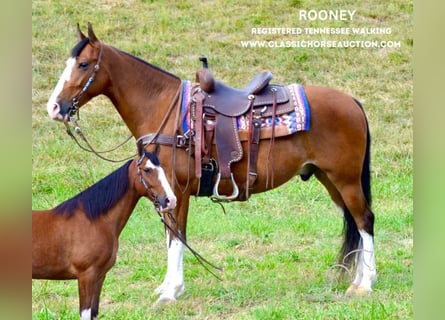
(155, 186)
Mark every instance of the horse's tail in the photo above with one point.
(352, 236)
(366, 169)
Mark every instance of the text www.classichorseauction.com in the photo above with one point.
(323, 32)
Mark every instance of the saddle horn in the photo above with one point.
(203, 59)
(205, 77)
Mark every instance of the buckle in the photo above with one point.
(180, 141)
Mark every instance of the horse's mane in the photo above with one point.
(148, 64)
(100, 197)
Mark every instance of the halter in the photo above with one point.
(146, 185)
(75, 102)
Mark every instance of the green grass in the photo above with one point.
(277, 249)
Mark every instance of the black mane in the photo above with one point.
(153, 158)
(100, 197)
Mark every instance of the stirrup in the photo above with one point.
(222, 198)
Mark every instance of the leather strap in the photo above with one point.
(209, 130)
(160, 138)
(255, 140)
(270, 158)
(198, 98)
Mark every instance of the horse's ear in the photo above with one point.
(91, 34)
(80, 35)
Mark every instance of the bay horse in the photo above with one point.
(78, 239)
(336, 149)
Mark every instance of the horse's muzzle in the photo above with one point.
(56, 112)
(165, 204)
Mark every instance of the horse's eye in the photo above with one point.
(83, 65)
(148, 170)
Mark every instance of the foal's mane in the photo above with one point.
(100, 197)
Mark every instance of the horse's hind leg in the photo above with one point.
(359, 221)
(332, 190)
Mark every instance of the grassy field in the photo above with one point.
(278, 250)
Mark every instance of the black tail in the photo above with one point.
(352, 236)
(351, 241)
(366, 172)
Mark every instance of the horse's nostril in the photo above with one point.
(54, 110)
(165, 203)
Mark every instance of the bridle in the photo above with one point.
(73, 111)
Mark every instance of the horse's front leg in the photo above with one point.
(173, 285)
(88, 292)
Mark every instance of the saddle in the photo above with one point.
(215, 107)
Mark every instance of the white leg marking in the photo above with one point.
(173, 285)
(85, 315)
(66, 75)
(366, 268)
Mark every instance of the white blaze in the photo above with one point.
(51, 106)
(164, 182)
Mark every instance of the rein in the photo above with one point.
(174, 140)
(150, 138)
(89, 147)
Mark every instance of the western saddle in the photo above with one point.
(214, 109)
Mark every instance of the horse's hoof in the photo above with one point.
(162, 301)
(357, 291)
(351, 290)
(361, 291)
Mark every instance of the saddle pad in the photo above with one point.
(296, 120)
(286, 124)
(185, 109)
